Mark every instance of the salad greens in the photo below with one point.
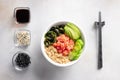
(58, 29)
(50, 36)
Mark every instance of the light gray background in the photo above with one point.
(44, 13)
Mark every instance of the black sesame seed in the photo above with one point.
(22, 60)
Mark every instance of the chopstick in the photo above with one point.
(99, 26)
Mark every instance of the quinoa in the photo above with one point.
(55, 56)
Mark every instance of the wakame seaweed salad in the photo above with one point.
(54, 31)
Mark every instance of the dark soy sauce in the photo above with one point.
(22, 15)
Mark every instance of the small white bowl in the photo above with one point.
(47, 57)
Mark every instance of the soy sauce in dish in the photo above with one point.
(23, 15)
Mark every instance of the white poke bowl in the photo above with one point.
(48, 58)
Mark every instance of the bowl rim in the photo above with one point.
(43, 47)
